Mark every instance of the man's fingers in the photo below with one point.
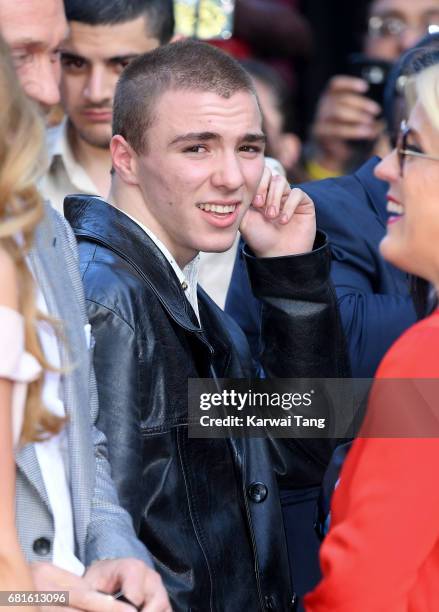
(136, 580)
(360, 103)
(348, 132)
(92, 601)
(143, 586)
(134, 590)
(345, 113)
(341, 83)
(159, 602)
(261, 194)
(139, 583)
(278, 188)
(348, 108)
(330, 105)
(298, 202)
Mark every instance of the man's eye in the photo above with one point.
(124, 63)
(195, 149)
(250, 149)
(21, 57)
(72, 63)
(119, 64)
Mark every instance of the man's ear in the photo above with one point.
(123, 158)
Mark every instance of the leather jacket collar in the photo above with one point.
(94, 218)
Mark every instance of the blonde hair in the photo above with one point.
(22, 161)
(427, 86)
(423, 87)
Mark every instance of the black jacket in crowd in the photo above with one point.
(208, 510)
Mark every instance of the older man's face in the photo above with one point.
(34, 31)
(397, 25)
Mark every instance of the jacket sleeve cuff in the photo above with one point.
(301, 277)
(118, 547)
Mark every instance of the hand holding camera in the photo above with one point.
(349, 111)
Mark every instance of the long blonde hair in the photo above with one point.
(22, 160)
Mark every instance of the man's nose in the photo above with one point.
(43, 84)
(228, 173)
(98, 86)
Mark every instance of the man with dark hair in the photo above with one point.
(188, 156)
(158, 14)
(104, 36)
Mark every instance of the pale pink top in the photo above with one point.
(16, 364)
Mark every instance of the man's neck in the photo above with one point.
(96, 161)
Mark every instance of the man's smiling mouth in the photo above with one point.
(224, 209)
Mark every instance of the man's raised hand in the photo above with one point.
(281, 221)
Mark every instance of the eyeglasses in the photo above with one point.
(394, 27)
(404, 149)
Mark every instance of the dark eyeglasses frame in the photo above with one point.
(402, 150)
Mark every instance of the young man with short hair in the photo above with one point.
(104, 36)
(188, 156)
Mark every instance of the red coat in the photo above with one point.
(382, 551)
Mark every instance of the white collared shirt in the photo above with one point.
(188, 277)
(53, 455)
(215, 272)
(65, 175)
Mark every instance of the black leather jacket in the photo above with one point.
(216, 538)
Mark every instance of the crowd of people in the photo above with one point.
(150, 236)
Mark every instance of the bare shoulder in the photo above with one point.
(8, 280)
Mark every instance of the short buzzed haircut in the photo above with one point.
(184, 66)
(159, 14)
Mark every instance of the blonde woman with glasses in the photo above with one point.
(382, 550)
